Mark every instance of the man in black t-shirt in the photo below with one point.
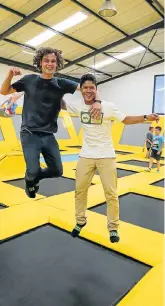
(42, 103)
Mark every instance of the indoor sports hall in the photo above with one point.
(122, 44)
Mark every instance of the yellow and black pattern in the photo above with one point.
(137, 242)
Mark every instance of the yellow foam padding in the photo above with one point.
(68, 169)
(70, 150)
(149, 291)
(66, 201)
(11, 195)
(117, 130)
(120, 157)
(2, 156)
(21, 218)
(73, 140)
(10, 139)
(80, 137)
(12, 167)
(15, 153)
(134, 179)
(148, 190)
(136, 242)
(80, 134)
(131, 167)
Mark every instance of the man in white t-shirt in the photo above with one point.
(98, 153)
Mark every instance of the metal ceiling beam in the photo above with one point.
(116, 43)
(112, 25)
(34, 49)
(10, 62)
(13, 42)
(61, 34)
(151, 4)
(132, 71)
(29, 18)
(144, 54)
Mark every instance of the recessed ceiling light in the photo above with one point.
(118, 57)
(62, 26)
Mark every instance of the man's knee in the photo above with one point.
(56, 172)
(111, 195)
(81, 189)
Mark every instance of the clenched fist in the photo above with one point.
(14, 71)
(153, 117)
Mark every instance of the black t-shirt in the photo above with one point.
(42, 101)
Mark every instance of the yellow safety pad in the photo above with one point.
(148, 190)
(136, 242)
(11, 195)
(21, 218)
(2, 156)
(62, 202)
(10, 139)
(149, 291)
(12, 167)
(134, 168)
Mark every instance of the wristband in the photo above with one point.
(99, 101)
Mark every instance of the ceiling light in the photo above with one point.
(108, 9)
(62, 26)
(118, 57)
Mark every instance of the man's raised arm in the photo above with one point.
(6, 87)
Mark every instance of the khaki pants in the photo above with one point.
(84, 173)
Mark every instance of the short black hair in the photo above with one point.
(150, 128)
(88, 77)
(158, 128)
(41, 52)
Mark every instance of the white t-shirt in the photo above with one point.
(97, 139)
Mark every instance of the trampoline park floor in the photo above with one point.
(41, 264)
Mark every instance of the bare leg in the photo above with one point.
(150, 163)
(158, 165)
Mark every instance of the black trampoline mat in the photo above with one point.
(49, 186)
(122, 152)
(121, 172)
(136, 163)
(47, 267)
(139, 210)
(159, 183)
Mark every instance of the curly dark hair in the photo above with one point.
(41, 52)
(88, 77)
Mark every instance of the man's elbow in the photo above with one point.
(3, 92)
(125, 121)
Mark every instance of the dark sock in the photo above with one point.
(76, 231)
(114, 236)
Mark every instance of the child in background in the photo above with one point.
(156, 150)
(149, 139)
(8, 107)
